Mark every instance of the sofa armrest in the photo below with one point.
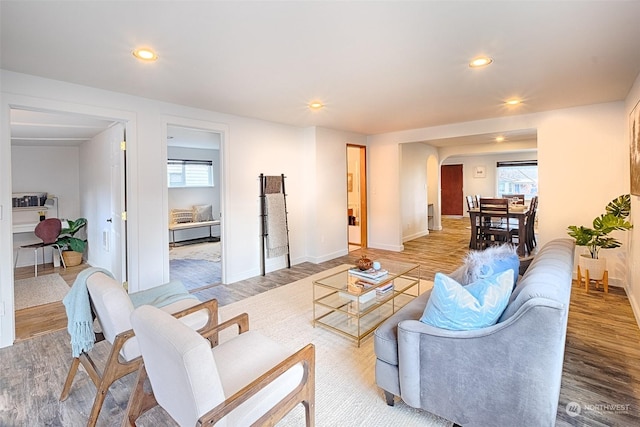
(444, 371)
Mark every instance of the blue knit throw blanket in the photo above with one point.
(162, 295)
(78, 308)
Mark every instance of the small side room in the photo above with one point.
(193, 180)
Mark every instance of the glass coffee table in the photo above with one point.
(354, 306)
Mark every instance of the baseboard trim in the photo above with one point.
(635, 306)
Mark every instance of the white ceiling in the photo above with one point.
(378, 66)
(39, 128)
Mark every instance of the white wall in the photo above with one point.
(414, 189)
(486, 186)
(571, 143)
(54, 170)
(250, 147)
(314, 162)
(633, 241)
(385, 220)
(328, 227)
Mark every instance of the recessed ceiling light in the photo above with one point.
(513, 101)
(481, 61)
(499, 138)
(145, 54)
(316, 105)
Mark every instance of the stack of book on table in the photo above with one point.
(385, 289)
(370, 275)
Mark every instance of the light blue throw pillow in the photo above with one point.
(474, 306)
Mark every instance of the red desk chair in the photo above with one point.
(48, 231)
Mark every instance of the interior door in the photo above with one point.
(451, 189)
(117, 238)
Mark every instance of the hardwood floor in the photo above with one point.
(602, 355)
(35, 321)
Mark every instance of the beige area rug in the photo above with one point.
(207, 251)
(346, 393)
(39, 290)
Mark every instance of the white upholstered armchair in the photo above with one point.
(247, 380)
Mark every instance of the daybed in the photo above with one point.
(507, 374)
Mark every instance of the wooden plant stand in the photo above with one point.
(604, 281)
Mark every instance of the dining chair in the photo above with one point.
(111, 306)
(495, 223)
(47, 231)
(246, 380)
(470, 204)
(530, 225)
(520, 197)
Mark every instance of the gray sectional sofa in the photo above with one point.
(507, 374)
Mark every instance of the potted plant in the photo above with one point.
(597, 238)
(72, 246)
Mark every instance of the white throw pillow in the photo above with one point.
(202, 213)
(179, 216)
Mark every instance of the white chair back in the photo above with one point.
(180, 365)
(111, 303)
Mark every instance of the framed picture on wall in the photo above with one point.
(349, 182)
(634, 148)
(479, 172)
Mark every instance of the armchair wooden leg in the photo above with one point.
(140, 401)
(97, 404)
(73, 369)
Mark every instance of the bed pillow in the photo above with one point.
(202, 213)
(495, 259)
(462, 308)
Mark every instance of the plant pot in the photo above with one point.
(72, 258)
(596, 267)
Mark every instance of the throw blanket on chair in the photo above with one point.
(276, 225)
(162, 295)
(78, 308)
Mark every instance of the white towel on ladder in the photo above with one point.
(276, 226)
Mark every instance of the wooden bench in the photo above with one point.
(173, 227)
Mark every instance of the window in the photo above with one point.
(518, 177)
(189, 173)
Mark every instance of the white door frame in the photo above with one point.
(223, 130)
(8, 102)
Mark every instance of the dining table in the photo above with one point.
(520, 212)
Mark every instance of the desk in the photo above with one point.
(520, 215)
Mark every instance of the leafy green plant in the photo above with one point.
(614, 218)
(67, 239)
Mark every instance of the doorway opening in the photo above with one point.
(194, 206)
(356, 196)
(77, 164)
